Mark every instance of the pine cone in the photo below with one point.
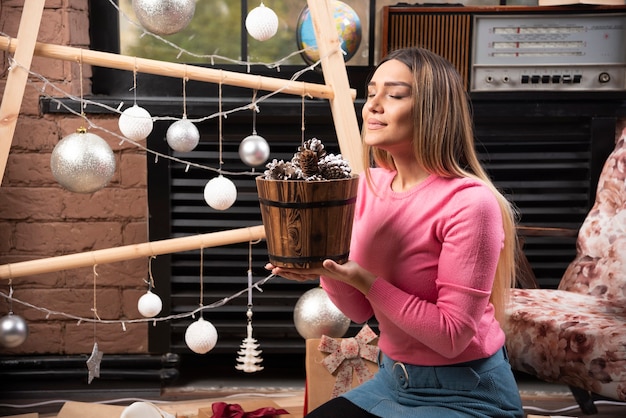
(334, 167)
(308, 163)
(315, 145)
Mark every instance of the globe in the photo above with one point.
(348, 28)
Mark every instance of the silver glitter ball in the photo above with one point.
(164, 17)
(182, 136)
(315, 315)
(254, 150)
(13, 331)
(82, 162)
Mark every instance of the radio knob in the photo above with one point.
(604, 78)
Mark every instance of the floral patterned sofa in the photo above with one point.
(576, 334)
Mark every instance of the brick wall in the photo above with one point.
(39, 219)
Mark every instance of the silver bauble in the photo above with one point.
(315, 315)
(254, 150)
(82, 162)
(13, 331)
(182, 136)
(164, 17)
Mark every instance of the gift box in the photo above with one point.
(336, 365)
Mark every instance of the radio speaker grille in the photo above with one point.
(448, 35)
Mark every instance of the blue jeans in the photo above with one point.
(484, 388)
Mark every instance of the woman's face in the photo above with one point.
(387, 113)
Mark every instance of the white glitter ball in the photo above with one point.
(164, 17)
(220, 193)
(135, 123)
(201, 336)
(82, 162)
(262, 23)
(182, 136)
(149, 305)
(315, 315)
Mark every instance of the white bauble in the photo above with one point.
(315, 315)
(220, 193)
(254, 150)
(13, 330)
(182, 135)
(149, 305)
(82, 162)
(201, 336)
(164, 17)
(144, 410)
(135, 123)
(262, 23)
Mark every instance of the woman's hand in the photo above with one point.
(350, 273)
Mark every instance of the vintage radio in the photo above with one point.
(518, 48)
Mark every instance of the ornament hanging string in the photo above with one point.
(185, 78)
(219, 120)
(201, 277)
(302, 117)
(255, 109)
(151, 278)
(135, 82)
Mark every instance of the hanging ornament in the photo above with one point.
(315, 315)
(254, 150)
(262, 23)
(220, 193)
(13, 330)
(164, 17)
(135, 123)
(201, 336)
(249, 359)
(249, 356)
(149, 304)
(182, 135)
(93, 363)
(82, 162)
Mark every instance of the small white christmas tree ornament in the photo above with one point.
(220, 193)
(262, 23)
(201, 336)
(249, 356)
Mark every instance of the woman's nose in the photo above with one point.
(373, 105)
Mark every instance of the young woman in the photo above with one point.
(432, 253)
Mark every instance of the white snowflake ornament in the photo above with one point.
(262, 23)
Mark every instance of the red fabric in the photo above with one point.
(227, 410)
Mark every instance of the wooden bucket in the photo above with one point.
(307, 222)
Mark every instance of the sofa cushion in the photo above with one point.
(570, 338)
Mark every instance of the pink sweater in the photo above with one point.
(434, 250)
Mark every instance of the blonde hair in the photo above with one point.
(443, 144)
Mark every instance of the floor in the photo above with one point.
(186, 397)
